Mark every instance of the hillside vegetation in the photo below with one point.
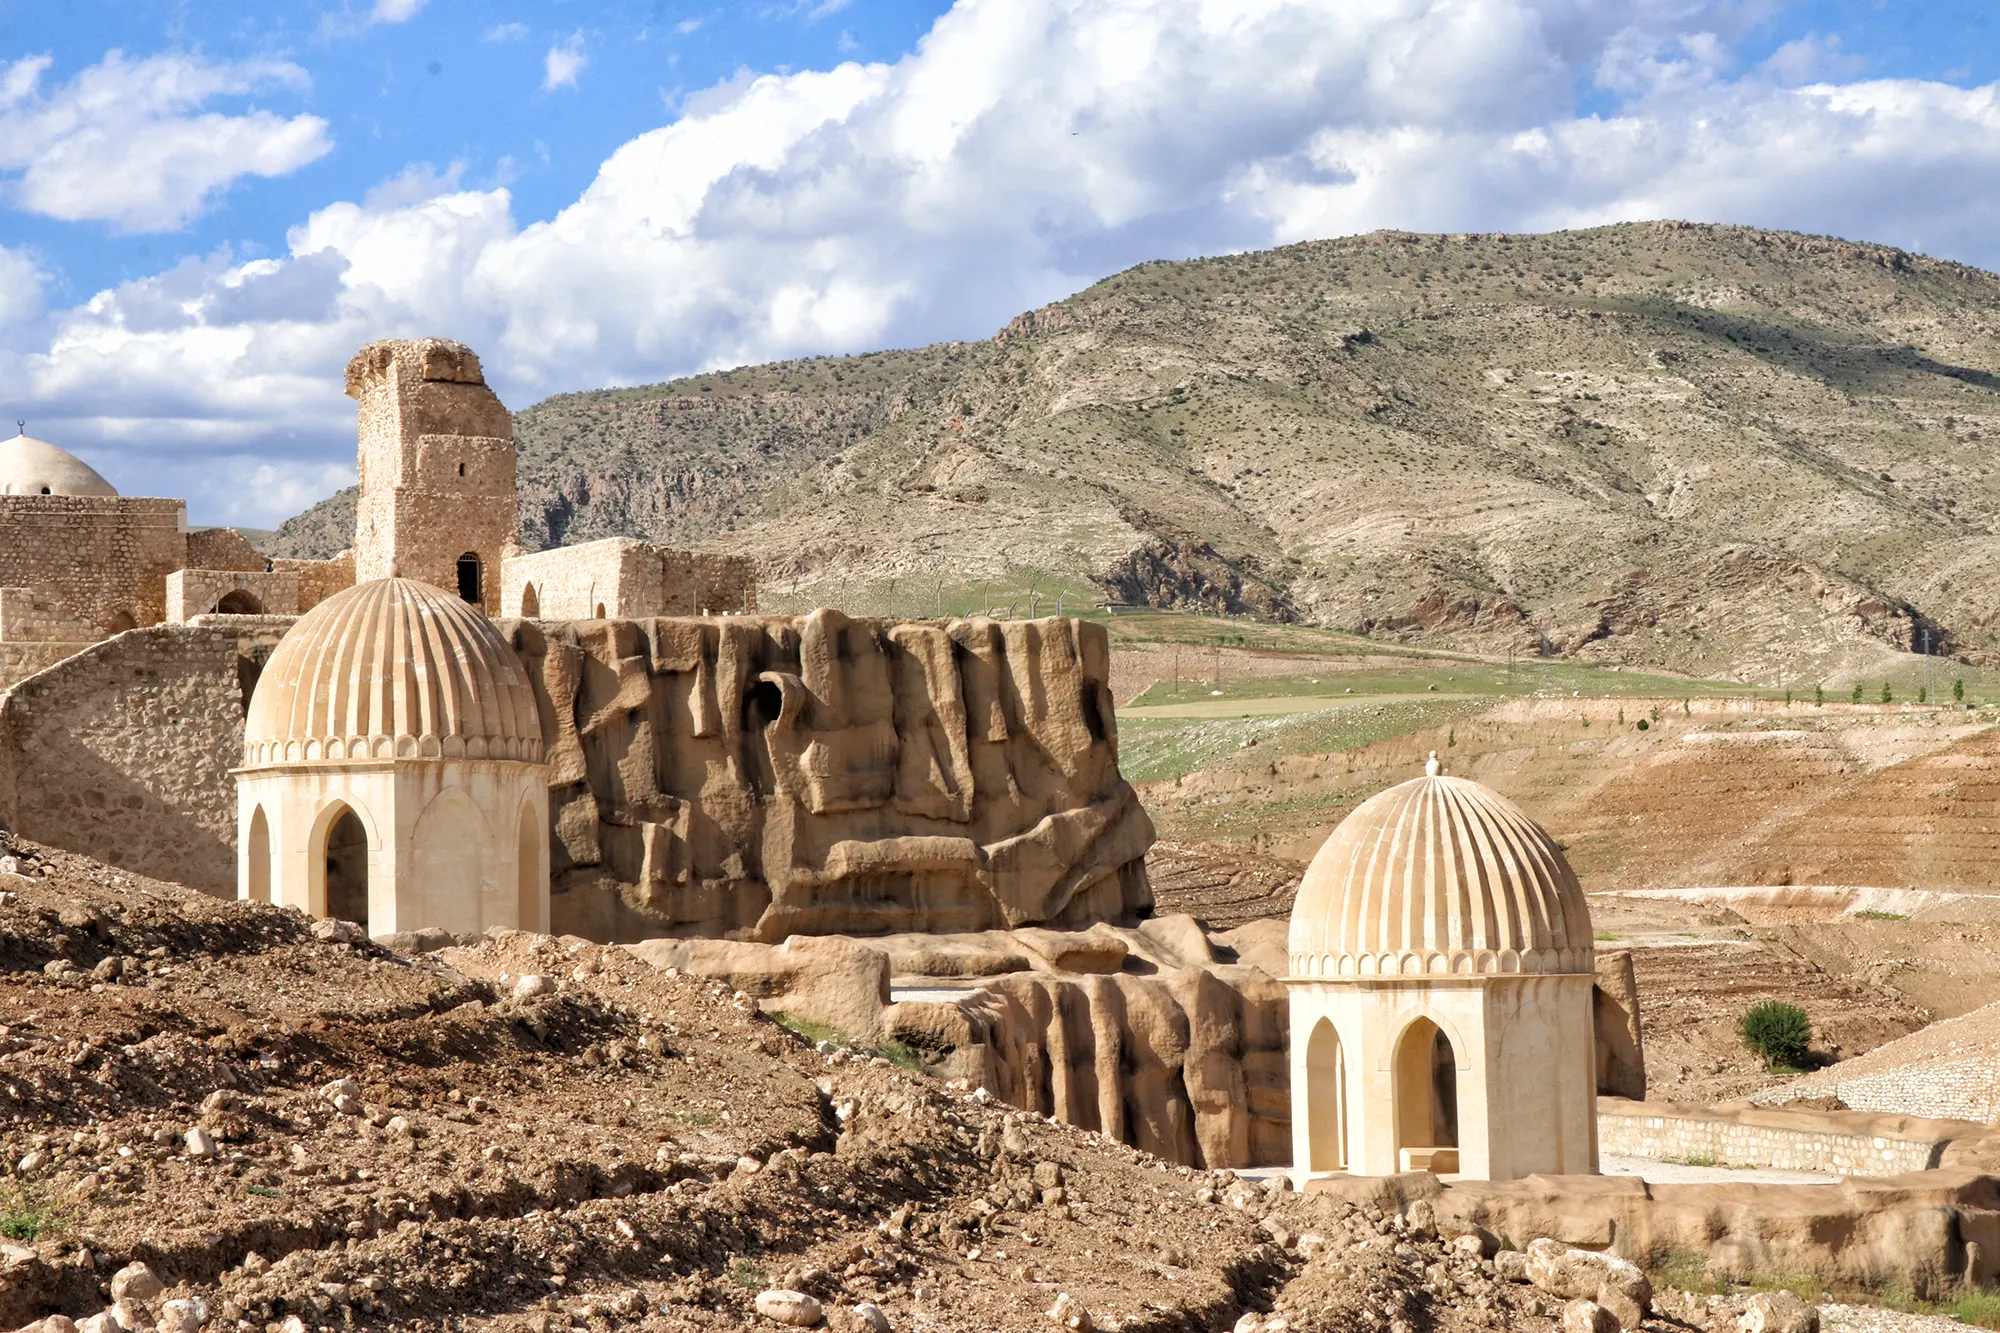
(1710, 450)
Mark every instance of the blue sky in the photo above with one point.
(205, 207)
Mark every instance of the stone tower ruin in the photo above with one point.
(437, 469)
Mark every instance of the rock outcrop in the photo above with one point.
(1160, 1035)
(756, 777)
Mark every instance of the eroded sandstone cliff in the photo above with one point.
(761, 776)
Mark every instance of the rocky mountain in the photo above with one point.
(1708, 449)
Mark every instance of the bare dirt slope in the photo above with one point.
(1713, 449)
(288, 1126)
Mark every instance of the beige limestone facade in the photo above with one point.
(393, 769)
(1441, 981)
(437, 469)
(620, 578)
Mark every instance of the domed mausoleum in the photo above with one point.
(392, 768)
(1441, 976)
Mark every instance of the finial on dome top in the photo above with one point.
(21, 427)
(1431, 765)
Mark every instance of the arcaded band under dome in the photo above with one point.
(392, 669)
(1439, 875)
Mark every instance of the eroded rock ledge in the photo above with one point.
(756, 777)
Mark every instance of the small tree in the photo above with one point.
(1777, 1031)
(1958, 690)
(1886, 696)
(1819, 696)
(1857, 691)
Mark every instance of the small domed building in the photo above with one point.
(1441, 976)
(29, 466)
(393, 768)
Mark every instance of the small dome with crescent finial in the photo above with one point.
(29, 466)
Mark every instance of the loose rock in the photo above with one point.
(788, 1307)
(1778, 1312)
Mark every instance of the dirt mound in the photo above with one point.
(286, 1121)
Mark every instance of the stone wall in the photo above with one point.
(195, 592)
(123, 751)
(757, 777)
(698, 583)
(223, 548)
(105, 557)
(318, 579)
(33, 615)
(617, 578)
(620, 578)
(1835, 1143)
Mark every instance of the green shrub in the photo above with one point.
(1857, 691)
(896, 1053)
(1958, 690)
(1686, 1270)
(1872, 915)
(1777, 1031)
(805, 1027)
(27, 1213)
(1981, 1309)
(1810, 1287)
(1887, 697)
(1644, 725)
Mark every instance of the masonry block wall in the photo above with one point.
(621, 578)
(1829, 1142)
(318, 579)
(123, 751)
(106, 557)
(437, 467)
(700, 585)
(195, 592)
(223, 548)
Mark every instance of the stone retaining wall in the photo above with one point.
(1833, 1143)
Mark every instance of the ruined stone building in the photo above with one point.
(79, 562)
(1441, 977)
(392, 768)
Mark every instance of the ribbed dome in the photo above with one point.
(29, 466)
(392, 669)
(1439, 876)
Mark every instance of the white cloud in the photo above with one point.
(1025, 148)
(506, 32)
(394, 11)
(22, 284)
(563, 63)
(126, 142)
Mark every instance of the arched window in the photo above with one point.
(469, 586)
(531, 602)
(1426, 1099)
(1326, 1099)
(346, 860)
(600, 611)
(122, 622)
(257, 859)
(240, 603)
